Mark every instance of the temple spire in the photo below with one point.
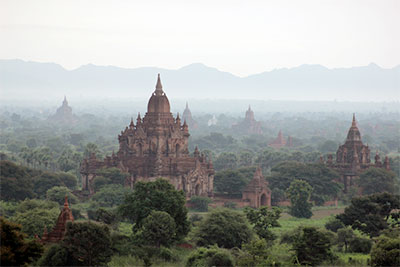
(354, 124)
(187, 106)
(159, 90)
(66, 202)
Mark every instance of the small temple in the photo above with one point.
(156, 146)
(353, 157)
(64, 113)
(280, 141)
(257, 191)
(58, 232)
(249, 125)
(187, 116)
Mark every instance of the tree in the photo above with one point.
(115, 175)
(319, 176)
(159, 229)
(34, 220)
(370, 214)
(15, 182)
(44, 182)
(299, 193)
(233, 181)
(110, 195)
(226, 228)
(334, 224)
(386, 252)
(159, 195)
(212, 256)
(377, 180)
(344, 236)
(199, 203)
(246, 158)
(56, 255)
(68, 180)
(58, 194)
(15, 250)
(256, 253)
(88, 243)
(225, 161)
(312, 246)
(263, 220)
(328, 146)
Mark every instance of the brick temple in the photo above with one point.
(156, 146)
(64, 114)
(280, 141)
(353, 157)
(249, 125)
(187, 116)
(58, 232)
(257, 192)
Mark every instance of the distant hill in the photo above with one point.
(21, 79)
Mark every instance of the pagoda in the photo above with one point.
(156, 146)
(187, 116)
(353, 157)
(249, 125)
(257, 191)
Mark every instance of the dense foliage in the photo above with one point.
(224, 228)
(209, 257)
(370, 214)
(159, 195)
(263, 220)
(299, 193)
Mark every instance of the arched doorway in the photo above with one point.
(263, 200)
(197, 190)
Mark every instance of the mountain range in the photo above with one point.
(23, 79)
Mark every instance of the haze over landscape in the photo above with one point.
(200, 133)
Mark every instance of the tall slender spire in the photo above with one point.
(159, 90)
(354, 124)
(187, 106)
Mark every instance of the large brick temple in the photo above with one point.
(156, 146)
(353, 157)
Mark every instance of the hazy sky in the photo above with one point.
(242, 37)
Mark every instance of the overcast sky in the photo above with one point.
(242, 37)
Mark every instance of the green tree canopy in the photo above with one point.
(44, 182)
(15, 182)
(159, 229)
(299, 193)
(159, 195)
(370, 214)
(58, 194)
(110, 195)
(319, 176)
(386, 252)
(68, 179)
(88, 243)
(312, 246)
(209, 257)
(263, 220)
(15, 250)
(377, 180)
(226, 228)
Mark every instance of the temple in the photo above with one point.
(58, 232)
(156, 146)
(187, 116)
(353, 157)
(280, 141)
(64, 113)
(257, 191)
(249, 125)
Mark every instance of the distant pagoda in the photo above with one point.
(187, 116)
(353, 157)
(249, 125)
(280, 141)
(64, 114)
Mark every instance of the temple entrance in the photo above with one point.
(197, 190)
(263, 200)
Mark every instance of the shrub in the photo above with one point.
(226, 228)
(334, 224)
(200, 203)
(212, 256)
(360, 245)
(386, 252)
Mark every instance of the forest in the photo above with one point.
(154, 224)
